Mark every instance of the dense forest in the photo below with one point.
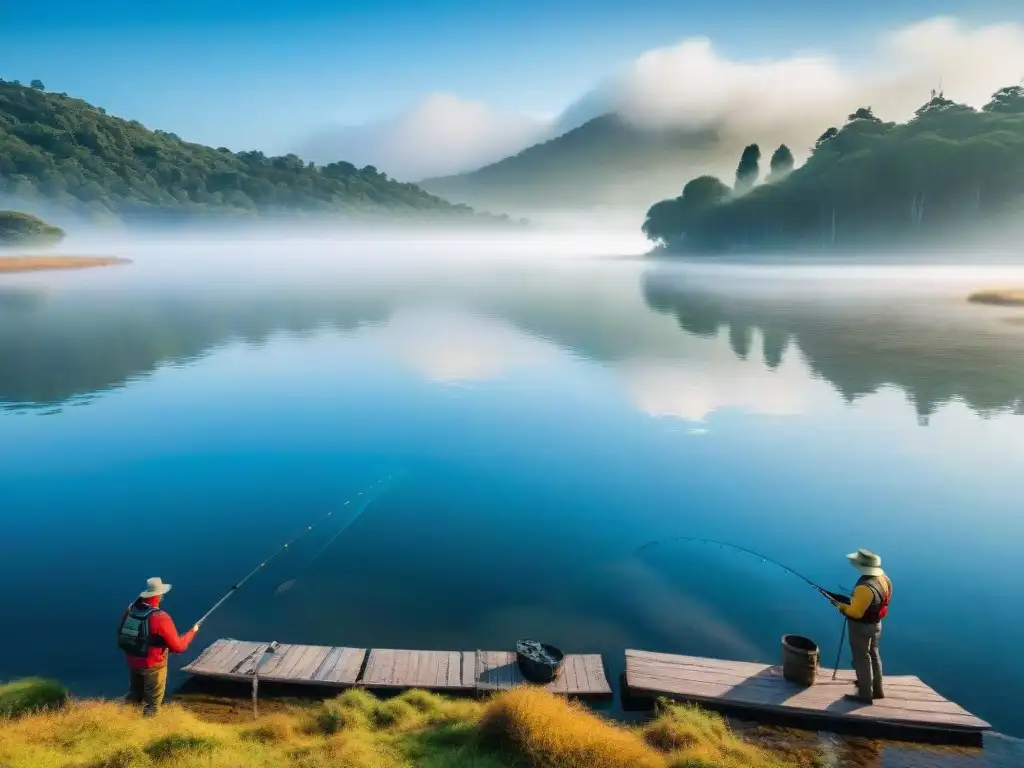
(949, 168)
(62, 153)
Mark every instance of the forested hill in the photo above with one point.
(60, 152)
(950, 169)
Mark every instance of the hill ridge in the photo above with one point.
(62, 152)
(606, 160)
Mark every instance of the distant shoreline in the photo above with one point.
(1000, 297)
(14, 264)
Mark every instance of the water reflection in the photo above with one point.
(934, 346)
(446, 346)
(745, 343)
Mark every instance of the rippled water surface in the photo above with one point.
(183, 417)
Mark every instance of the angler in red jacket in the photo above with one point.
(146, 634)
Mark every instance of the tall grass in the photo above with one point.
(523, 728)
(695, 738)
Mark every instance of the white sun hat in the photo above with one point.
(866, 561)
(154, 587)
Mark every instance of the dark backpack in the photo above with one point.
(133, 635)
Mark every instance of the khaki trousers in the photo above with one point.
(867, 662)
(147, 688)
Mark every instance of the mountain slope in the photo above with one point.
(60, 152)
(606, 161)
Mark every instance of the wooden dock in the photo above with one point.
(389, 669)
(910, 710)
(299, 664)
(430, 670)
(582, 674)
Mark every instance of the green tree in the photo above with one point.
(781, 163)
(937, 103)
(748, 169)
(1007, 101)
(705, 191)
(827, 136)
(864, 113)
(667, 221)
(37, 85)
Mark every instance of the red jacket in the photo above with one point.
(160, 626)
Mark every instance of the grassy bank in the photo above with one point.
(524, 728)
(41, 263)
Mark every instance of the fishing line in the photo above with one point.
(235, 587)
(831, 596)
(367, 503)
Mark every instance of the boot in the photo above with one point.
(877, 693)
(856, 697)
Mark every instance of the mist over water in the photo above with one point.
(300, 245)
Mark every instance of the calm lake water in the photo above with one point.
(184, 416)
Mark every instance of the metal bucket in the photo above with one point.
(799, 659)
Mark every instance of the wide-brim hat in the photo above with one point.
(866, 561)
(155, 587)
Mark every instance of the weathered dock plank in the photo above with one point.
(300, 664)
(432, 670)
(228, 659)
(581, 675)
(388, 668)
(754, 688)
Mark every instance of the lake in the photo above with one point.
(186, 415)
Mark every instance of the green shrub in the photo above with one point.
(30, 695)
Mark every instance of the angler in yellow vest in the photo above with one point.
(868, 605)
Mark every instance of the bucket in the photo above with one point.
(539, 662)
(799, 659)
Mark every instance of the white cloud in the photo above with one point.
(692, 85)
(441, 134)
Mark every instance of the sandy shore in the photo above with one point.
(1003, 297)
(40, 263)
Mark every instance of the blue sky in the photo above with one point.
(259, 73)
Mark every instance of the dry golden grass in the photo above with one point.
(1003, 297)
(695, 738)
(354, 730)
(524, 728)
(553, 733)
(41, 263)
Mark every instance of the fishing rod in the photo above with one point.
(367, 503)
(238, 585)
(832, 597)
